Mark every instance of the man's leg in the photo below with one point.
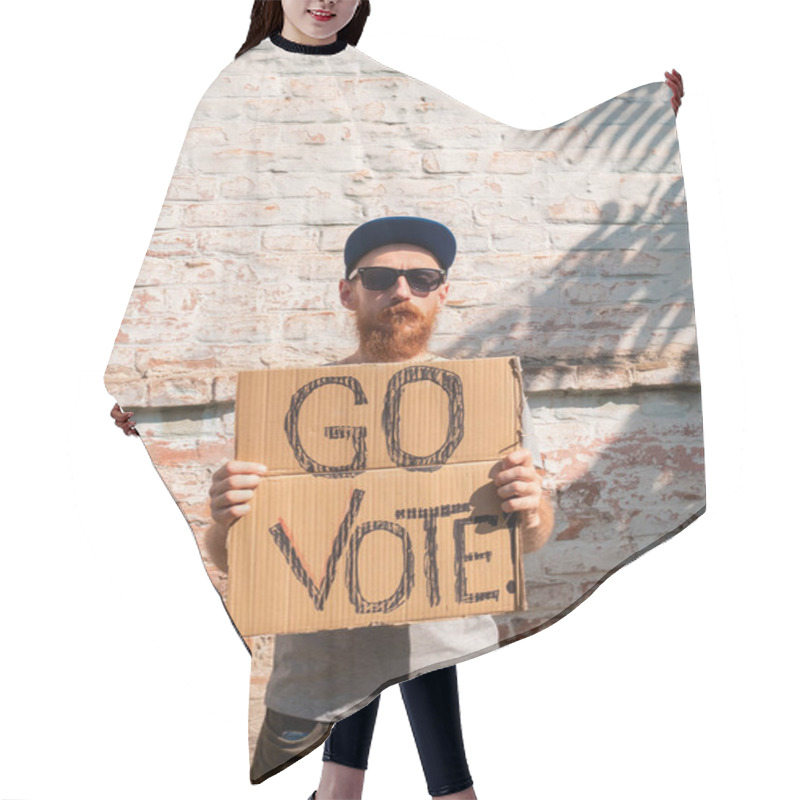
(434, 713)
(346, 754)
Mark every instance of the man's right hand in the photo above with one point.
(232, 487)
(675, 82)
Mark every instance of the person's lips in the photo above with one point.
(398, 313)
(321, 15)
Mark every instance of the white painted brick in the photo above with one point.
(504, 212)
(175, 271)
(686, 372)
(192, 389)
(525, 240)
(528, 187)
(470, 161)
(225, 110)
(244, 187)
(550, 139)
(516, 162)
(245, 84)
(300, 243)
(165, 360)
(565, 558)
(316, 325)
(230, 329)
(238, 241)
(298, 295)
(456, 134)
(319, 134)
(619, 237)
(542, 271)
(391, 160)
(192, 188)
(170, 217)
(207, 136)
(173, 243)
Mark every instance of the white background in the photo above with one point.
(121, 675)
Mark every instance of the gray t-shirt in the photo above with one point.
(329, 674)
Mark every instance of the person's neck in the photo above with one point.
(293, 34)
(316, 46)
(360, 357)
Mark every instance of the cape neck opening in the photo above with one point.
(310, 49)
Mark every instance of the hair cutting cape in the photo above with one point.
(573, 255)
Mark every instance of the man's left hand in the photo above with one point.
(519, 486)
(124, 420)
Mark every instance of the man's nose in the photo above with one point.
(401, 289)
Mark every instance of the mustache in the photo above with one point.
(396, 332)
(400, 311)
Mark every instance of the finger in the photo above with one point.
(231, 498)
(523, 473)
(518, 489)
(227, 512)
(244, 481)
(674, 81)
(239, 468)
(520, 457)
(524, 503)
(234, 483)
(229, 516)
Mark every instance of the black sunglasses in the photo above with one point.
(378, 279)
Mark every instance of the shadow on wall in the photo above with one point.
(578, 264)
(604, 326)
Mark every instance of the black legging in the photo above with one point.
(432, 706)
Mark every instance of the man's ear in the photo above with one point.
(442, 291)
(347, 290)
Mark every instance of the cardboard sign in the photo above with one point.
(379, 507)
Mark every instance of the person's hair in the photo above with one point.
(266, 18)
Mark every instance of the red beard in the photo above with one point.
(398, 333)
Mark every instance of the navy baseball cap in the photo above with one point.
(434, 237)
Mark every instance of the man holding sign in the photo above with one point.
(396, 281)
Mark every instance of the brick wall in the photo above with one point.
(573, 254)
